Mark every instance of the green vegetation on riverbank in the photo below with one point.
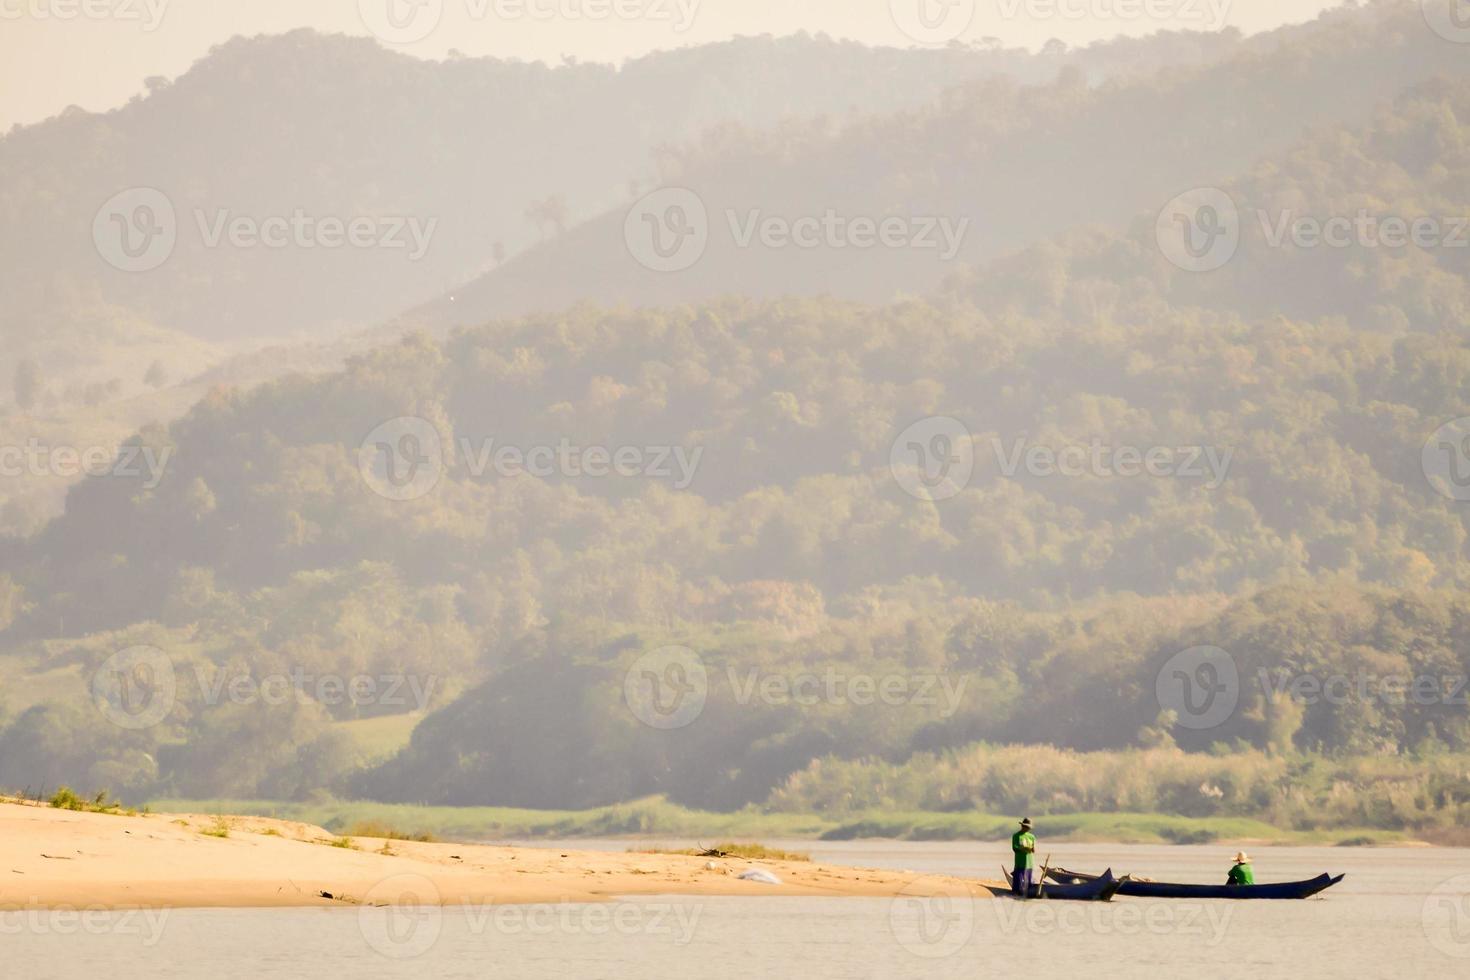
(245, 628)
(724, 849)
(657, 817)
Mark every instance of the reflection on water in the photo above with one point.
(1400, 913)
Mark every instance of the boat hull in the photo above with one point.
(1164, 889)
(1097, 888)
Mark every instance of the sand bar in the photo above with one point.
(51, 858)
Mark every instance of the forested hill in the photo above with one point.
(1326, 231)
(796, 403)
(1293, 504)
(1005, 165)
(141, 273)
(979, 676)
(496, 154)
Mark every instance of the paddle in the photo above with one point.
(1041, 882)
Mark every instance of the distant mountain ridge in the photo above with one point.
(339, 127)
(1018, 164)
(1323, 546)
(466, 160)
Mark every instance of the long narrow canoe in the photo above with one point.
(1164, 889)
(1097, 888)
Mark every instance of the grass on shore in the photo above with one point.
(66, 799)
(748, 852)
(381, 831)
(409, 822)
(656, 816)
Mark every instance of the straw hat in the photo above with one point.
(1242, 858)
(1026, 823)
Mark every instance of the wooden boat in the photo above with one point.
(1097, 888)
(1164, 889)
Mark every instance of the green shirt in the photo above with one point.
(1023, 844)
(1241, 874)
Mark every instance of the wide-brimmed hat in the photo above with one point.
(1026, 822)
(1242, 858)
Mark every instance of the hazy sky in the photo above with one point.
(95, 53)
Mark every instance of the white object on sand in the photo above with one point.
(761, 875)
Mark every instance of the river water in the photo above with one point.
(1401, 912)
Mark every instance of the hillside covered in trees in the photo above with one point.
(1008, 164)
(909, 520)
(1308, 537)
(245, 172)
(332, 127)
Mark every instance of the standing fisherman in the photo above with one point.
(1023, 846)
(1242, 873)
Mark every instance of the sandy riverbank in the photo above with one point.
(60, 858)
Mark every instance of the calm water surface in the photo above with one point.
(1400, 913)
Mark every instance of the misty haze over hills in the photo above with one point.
(330, 125)
(834, 450)
(1017, 163)
(310, 126)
